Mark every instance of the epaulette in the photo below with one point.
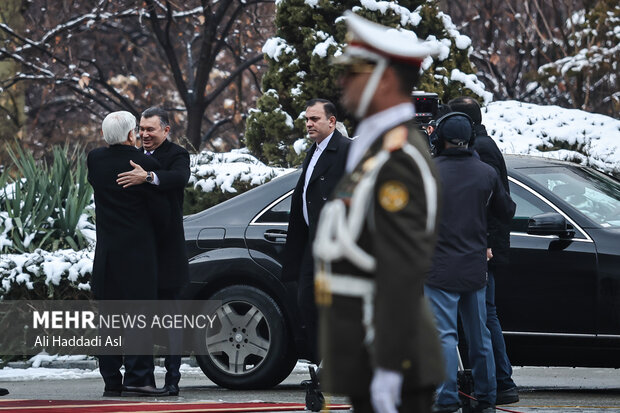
(395, 139)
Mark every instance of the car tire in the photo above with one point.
(250, 346)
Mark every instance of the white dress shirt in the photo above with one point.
(372, 127)
(315, 158)
(155, 178)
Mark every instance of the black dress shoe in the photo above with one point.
(3, 392)
(482, 407)
(112, 393)
(173, 389)
(507, 396)
(143, 391)
(446, 408)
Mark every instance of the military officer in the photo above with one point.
(377, 234)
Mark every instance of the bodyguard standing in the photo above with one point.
(498, 244)
(169, 179)
(376, 236)
(321, 170)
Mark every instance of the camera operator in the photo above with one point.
(432, 125)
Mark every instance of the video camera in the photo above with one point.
(426, 105)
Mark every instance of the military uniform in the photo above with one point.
(373, 249)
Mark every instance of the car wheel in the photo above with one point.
(249, 346)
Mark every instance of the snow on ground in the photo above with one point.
(45, 373)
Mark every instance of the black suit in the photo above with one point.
(298, 262)
(125, 266)
(173, 274)
(498, 230)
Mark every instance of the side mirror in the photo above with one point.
(550, 223)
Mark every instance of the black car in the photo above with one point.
(559, 304)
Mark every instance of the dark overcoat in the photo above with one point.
(498, 238)
(472, 191)
(125, 265)
(326, 174)
(398, 232)
(173, 177)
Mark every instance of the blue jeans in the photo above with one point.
(471, 306)
(503, 369)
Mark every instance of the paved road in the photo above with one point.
(548, 390)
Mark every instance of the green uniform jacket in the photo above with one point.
(396, 234)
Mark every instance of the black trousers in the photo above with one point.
(307, 304)
(138, 371)
(172, 360)
(413, 401)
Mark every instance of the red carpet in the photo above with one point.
(100, 406)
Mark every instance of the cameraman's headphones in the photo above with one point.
(439, 129)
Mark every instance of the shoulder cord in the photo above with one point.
(337, 234)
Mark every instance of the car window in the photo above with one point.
(595, 195)
(528, 205)
(277, 214)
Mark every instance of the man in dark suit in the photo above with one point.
(498, 248)
(170, 179)
(322, 169)
(125, 265)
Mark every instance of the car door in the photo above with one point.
(266, 234)
(551, 284)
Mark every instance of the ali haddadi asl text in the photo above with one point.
(72, 342)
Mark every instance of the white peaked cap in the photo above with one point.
(371, 41)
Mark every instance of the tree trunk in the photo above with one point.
(194, 123)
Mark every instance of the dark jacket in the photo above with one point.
(326, 174)
(173, 176)
(470, 190)
(498, 230)
(396, 233)
(125, 265)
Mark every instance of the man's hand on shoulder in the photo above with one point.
(136, 176)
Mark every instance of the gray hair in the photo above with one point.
(117, 125)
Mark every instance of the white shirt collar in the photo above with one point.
(321, 146)
(372, 127)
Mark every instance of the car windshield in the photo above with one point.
(594, 194)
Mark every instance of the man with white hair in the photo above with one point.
(376, 236)
(125, 264)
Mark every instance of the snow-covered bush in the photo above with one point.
(40, 275)
(45, 205)
(216, 177)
